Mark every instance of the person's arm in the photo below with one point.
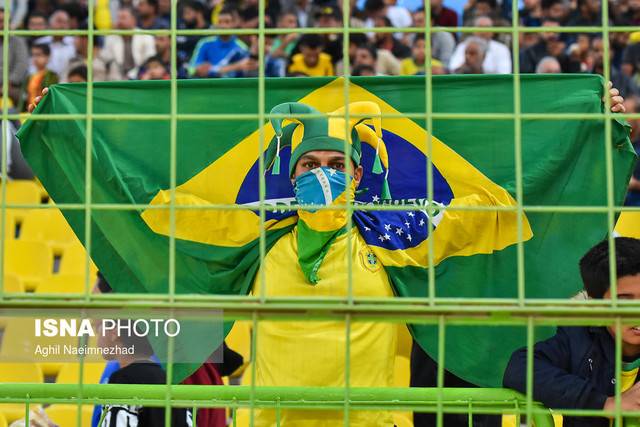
(553, 383)
(504, 60)
(19, 60)
(457, 59)
(634, 184)
(18, 13)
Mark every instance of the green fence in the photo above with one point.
(433, 310)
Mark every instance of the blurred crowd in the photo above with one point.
(36, 61)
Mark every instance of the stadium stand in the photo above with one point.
(67, 415)
(18, 372)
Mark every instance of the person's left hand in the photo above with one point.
(617, 102)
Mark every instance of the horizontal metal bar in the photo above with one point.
(253, 117)
(323, 30)
(552, 312)
(294, 207)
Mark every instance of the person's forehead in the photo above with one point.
(323, 154)
(629, 285)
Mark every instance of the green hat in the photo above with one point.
(327, 134)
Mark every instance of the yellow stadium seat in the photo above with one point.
(18, 343)
(23, 192)
(47, 225)
(18, 373)
(628, 224)
(12, 283)
(31, 260)
(67, 415)
(69, 373)
(74, 257)
(64, 284)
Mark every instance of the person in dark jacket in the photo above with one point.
(575, 369)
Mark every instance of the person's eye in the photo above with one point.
(339, 166)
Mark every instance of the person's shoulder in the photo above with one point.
(139, 373)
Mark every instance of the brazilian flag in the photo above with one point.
(217, 251)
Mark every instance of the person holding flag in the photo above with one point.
(322, 240)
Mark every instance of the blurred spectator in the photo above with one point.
(442, 43)
(442, 15)
(36, 22)
(416, 63)
(164, 10)
(627, 87)
(311, 60)
(555, 10)
(587, 14)
(76, 11)
(486, 8)
(531, 13)
(18, 62)
(193, 18)
(388, 42)
(77, 74)
(42, 77)
(220, 56)
(398, 16)
(302, 10)
(284, 44)
(498, 57)
(273, 67)
(330, 17)
(383, 62)
(81, 44)
(364, 70)
(474, 55)
(123, 55)
(163, 54)
(154, 69)
(548, 65)
(550, 44)
(631, 62)
(626, 12)
(148, 17)
(62, 48)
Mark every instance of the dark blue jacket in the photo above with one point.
(574, 369)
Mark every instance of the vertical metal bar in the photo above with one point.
(440, 374)
(618, 374)
(5, 127)
(173, 128)
(606, 64)
(517, 134)
(529, 393)
(262, 191)
(428, 88)
(346, 16)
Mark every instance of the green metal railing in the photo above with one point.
(432, 310)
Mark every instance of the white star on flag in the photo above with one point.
(387, 237)
(407, 224)
(399, 231)
(381, 238)
(332, 171)
(375, 198)
(409, 237)
(411, 214)
(421, 222)
(387, 227)
(366, 228)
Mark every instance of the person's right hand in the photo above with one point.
(629, 400)
(36, 101)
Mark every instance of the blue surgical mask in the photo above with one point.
(319, 186)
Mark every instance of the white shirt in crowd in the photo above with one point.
(62, 51)
(496, 61)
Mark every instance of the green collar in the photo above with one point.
(630, 366)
